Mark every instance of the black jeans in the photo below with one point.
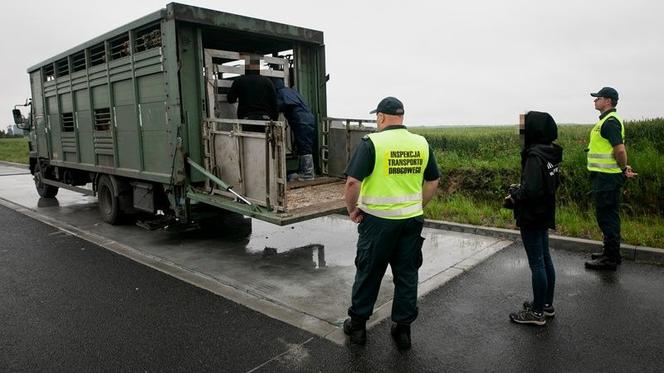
(382, 242)
(536, 243)
(607, 212)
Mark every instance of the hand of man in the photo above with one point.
(356, 215)
(629, 172)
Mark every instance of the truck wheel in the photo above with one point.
(109, 206)
(44, 190)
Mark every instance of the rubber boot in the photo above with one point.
(306, 171)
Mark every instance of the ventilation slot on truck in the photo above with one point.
(62, 67)
(119, 47)
(97, 55)
(49, 72)
(147, 38)
(67, 122)
(102, 119)
(78, 61)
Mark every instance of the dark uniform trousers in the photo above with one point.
(607, 212)
(382, 242)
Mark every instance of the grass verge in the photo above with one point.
(571, 220)
(14, 150)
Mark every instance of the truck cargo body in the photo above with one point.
(140, 114)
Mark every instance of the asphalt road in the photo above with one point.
(68, 305)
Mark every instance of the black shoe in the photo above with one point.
(602, 263)
(401, 335)
(356, 330)
(548, 309)
(594, 256)
(528, 317)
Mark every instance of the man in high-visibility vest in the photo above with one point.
(391, 177)
(607, 163)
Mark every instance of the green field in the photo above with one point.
(479, 163)
(14, 150)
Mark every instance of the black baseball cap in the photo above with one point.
(389, 105)
(607, 92)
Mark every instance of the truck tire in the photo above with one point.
(44, 190)
(109, 206)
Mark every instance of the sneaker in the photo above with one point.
(602, 263)
(356, 330)
(401, 335)
(548, 310)
(528, 317)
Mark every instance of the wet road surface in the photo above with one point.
(301, 274)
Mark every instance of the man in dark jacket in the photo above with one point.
(256, 95)
(302, 121)
(534, 202)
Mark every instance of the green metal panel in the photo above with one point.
(310, 76)
(152, 112)
(84, 126)
(123, 93)
(66, 104)
(82, 100)
(127, 143)
(171, 66)
(192, 92)
(126, 121)
(100, 97)
(53, 121)
(85, 134)
(151, 89)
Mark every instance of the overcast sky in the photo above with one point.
(461, 62)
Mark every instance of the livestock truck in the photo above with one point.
(139, 117)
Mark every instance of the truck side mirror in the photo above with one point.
(18, 117)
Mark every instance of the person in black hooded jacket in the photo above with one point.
(534, 202)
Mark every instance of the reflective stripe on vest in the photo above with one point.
(391, 214)
(600, 156)
(394, 188)
(384, 200)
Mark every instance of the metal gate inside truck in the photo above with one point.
(250, 155)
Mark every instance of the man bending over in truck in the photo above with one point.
(256, 95)
(302, 121)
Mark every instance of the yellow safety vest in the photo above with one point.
(394, 188)
(600, 151)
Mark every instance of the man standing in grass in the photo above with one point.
(391, 177)
(607, 163)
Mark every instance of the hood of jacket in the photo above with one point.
(540, 128)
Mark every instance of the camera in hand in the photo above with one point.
(508, 202)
